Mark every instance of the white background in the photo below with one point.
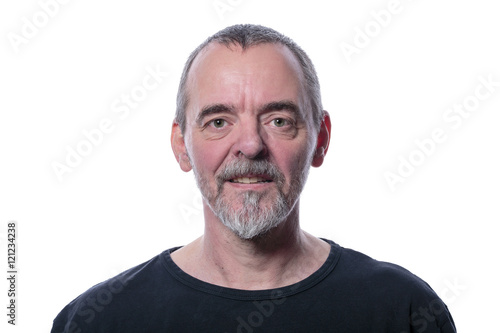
(128, 200)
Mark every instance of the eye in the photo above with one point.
(218, 123)
(279, 122)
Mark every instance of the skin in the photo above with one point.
(246, 83)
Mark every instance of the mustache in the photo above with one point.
(239, 168)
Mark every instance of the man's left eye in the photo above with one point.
(279, 122)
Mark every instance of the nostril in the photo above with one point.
(253, 155)
(250, 141)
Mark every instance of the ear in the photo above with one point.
(179, 147)
(323, 141)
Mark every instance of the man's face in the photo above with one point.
(249, 134)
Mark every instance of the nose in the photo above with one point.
(250, 141)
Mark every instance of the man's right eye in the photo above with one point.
(218, 123)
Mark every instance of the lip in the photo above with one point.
(250, 179)
(248, 187)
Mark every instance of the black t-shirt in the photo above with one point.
(349, 293)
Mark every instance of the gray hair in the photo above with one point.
(248, 35)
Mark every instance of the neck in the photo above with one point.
(283, 256)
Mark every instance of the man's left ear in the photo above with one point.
(323, 141)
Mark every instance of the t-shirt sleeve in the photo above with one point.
(429, 314)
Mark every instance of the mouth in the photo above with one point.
(250, 180)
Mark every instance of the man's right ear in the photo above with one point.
(179, 147)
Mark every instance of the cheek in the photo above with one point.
(207, 157)
(291, 161)
(293, 153)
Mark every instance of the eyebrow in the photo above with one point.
(213, 109)
(282, 105)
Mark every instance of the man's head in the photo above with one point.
(249, 123)
(246, 36)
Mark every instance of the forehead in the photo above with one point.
(257, 75)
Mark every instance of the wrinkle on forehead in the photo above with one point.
(240, 68)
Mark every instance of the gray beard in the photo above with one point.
(251, 220)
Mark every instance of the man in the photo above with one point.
(250, 123)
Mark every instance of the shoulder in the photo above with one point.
(390, 286)
(111, 296)
(364, 268)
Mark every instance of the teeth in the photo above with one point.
(247, 180)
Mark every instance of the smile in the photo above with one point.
(250, 180)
